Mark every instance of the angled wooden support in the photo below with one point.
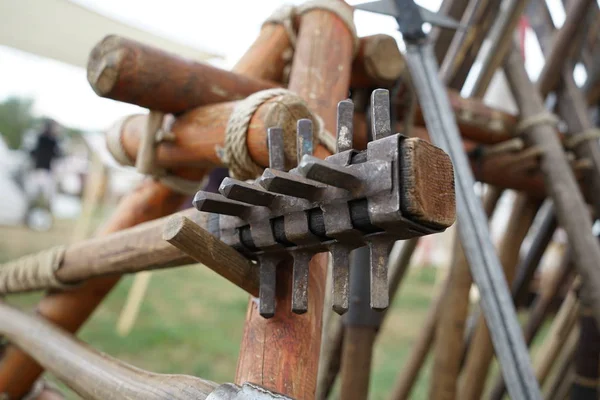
(91, 374)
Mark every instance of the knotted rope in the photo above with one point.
(33, 272)
(285, 16)
(235, 153)
(573, 141)
(542, 118)
(159, 133)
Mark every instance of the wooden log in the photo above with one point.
(481, 351)
(356, 362)
(560, 182)
(450, 330)
(131, 72)
(321, 76)
(70, 309)
(378, 63)
(190, 238)
(91, 374)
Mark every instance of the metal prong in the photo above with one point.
(304, 139)
(379, 249)
(215, 203)
(300, 281)
(340, 273)
(276, 149)
(328, 173)
(290, 185)
(345, 126)
(381, 125)
(266, 291)
(246, 192)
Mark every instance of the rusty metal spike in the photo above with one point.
(290, 185)
(216, 203)
(345, 126)
(316, 169)
(267, 285)
(379, 249)
(340, 274)
(246, 192)
(300, 281)
(381, 124)
(276, 149)
(304, 138)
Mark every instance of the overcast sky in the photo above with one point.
(224, 27)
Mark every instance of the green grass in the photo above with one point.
(191, 320)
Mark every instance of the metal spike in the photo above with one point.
(304, 143)
(290, 185)
(379, 249)
(381, 125)
(276, 149)
(216, 203)
(340, 274)
(316, 169)
(345, 126)
(267, 286)
(246, 192)
(300, 281)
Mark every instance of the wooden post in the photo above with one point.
(481, 351)
(449, 337)
(320, 75)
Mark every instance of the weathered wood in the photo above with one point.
(91, 374)
(378, 62)
(450, 328)
(200, 133)
(190, 238)
(481, 351)
(321, 76)
(131, 72)
(560, 182)
(356, 361)
(70, 309)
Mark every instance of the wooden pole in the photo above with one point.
(449, 336)
(91, 374)
(320, 75)
(481, 351)
(443, 37)
(571, 208)
(587, 354)
(559, 383)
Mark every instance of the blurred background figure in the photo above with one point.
(40, 183)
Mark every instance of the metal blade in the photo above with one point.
(475, 237)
